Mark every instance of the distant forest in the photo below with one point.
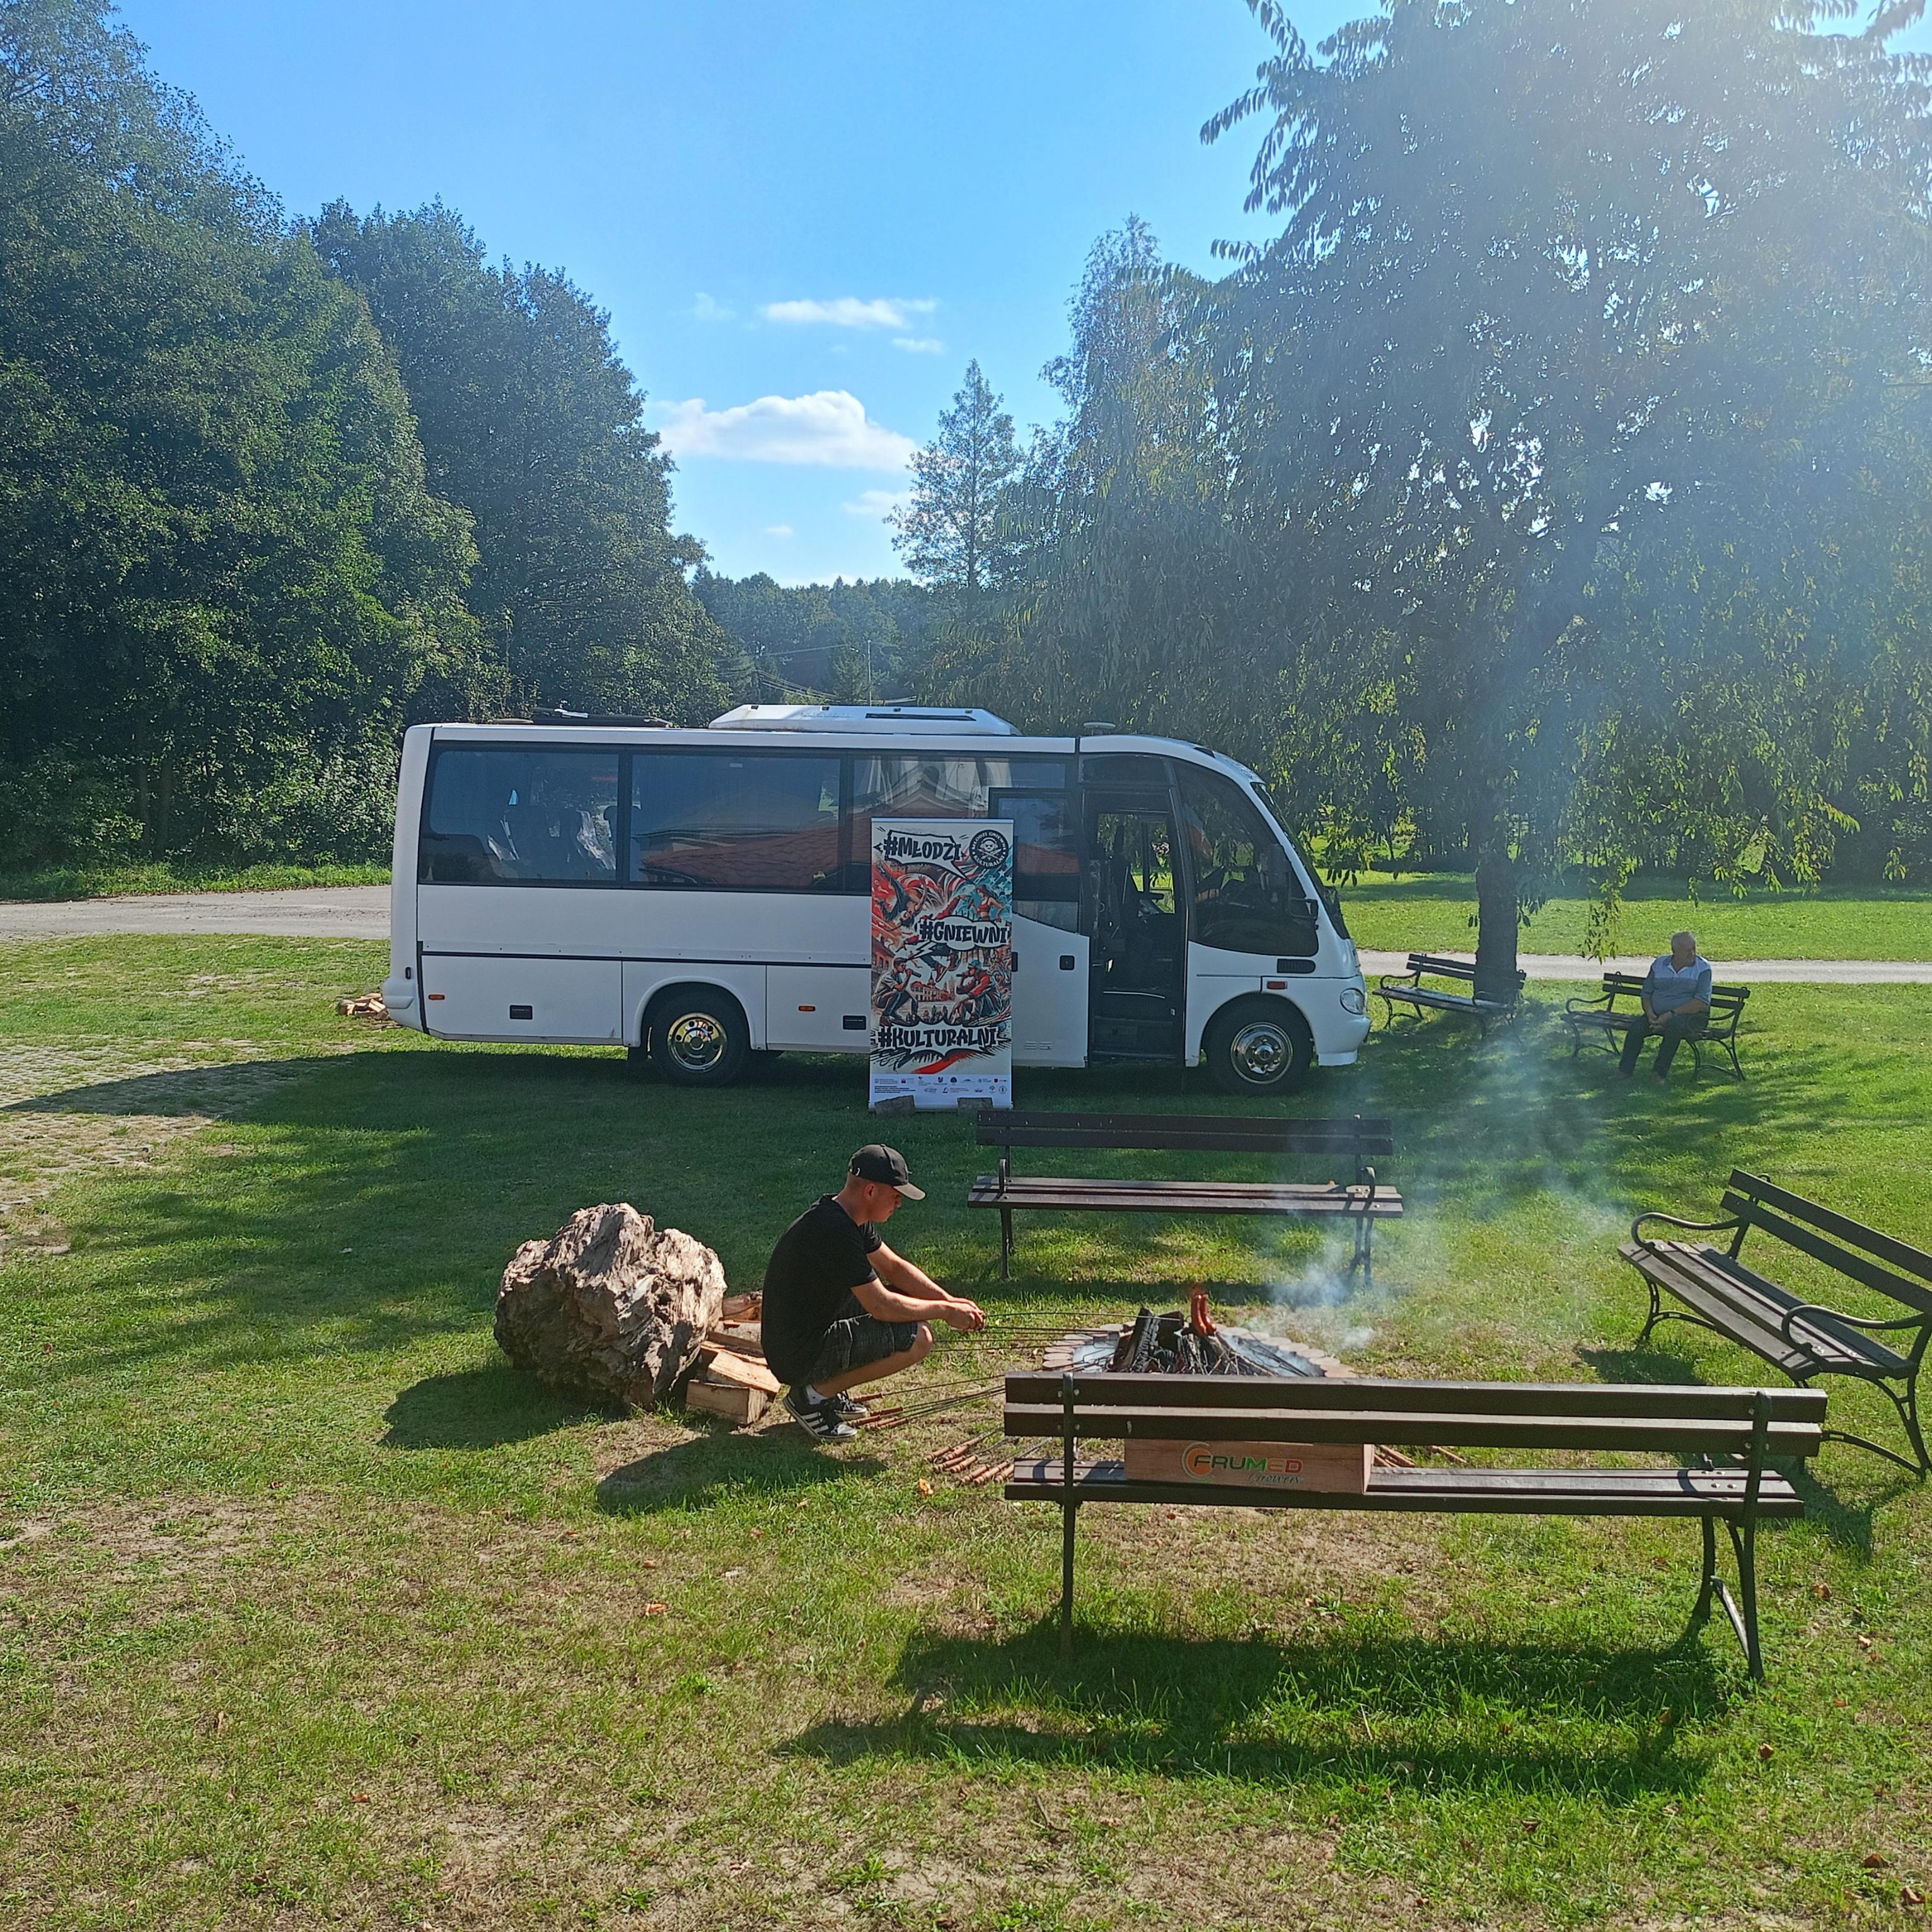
(856, 642)
(1549, 491)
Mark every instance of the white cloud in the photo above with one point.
(707, 308)
(877, 503)
(829, 429)
(780, 530)
(851, 312)
(919, 345)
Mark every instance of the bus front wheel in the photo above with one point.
(699, 1039)
(1258, 1046)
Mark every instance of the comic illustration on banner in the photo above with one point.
(942, 961)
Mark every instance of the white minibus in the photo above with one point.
(700, 896)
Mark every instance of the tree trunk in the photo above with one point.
(1495, 911)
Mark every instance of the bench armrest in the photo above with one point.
(1677, 1221)
(1819, 1308)
(1411, 980)
(1589, 1003)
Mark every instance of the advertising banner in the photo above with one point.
(942, 961)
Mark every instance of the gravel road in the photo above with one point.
(362, 912)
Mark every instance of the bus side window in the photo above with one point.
(734, 821)
(1247, 897)
(1046, 856)
(516, 815)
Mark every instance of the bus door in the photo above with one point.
(1050, 952)
(1137, 971)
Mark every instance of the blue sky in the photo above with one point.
(803, 218)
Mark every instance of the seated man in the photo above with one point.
(1676, 1003)
(841, 1308)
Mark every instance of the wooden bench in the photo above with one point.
(1720, 1441)
(1804, 1338)
(1596, 1017)
(1363, 1201)
(1407, 987)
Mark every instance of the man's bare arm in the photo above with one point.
(906, 1286)
(877, 1299)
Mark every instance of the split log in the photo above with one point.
(610, 1308)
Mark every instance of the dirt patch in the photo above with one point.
(72, 1108)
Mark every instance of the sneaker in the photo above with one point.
(821, 1421)
(847, 1410)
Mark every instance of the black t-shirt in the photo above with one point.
(820, 1259)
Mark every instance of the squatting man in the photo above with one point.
(841, 1309)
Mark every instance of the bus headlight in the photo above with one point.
(1354, 1000)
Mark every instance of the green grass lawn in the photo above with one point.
(1431, 912)
(93, 882)
(312, 1611)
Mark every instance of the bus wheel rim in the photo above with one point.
(697, 1042)
(1260, 1051)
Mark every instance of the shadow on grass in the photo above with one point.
(386, 1189)
(1642, 1365)
(724, 1464)
(1423, 1712)
(480, 1408)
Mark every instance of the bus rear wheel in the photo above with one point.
(1257, 1047)
(699, 1039)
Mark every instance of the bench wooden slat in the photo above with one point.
(1556, 1400)
(1717, 1285)
(1422, 996)
(1685, 1422)
(1181, 1198)
(1887, 1247)
(1649, 1492)
(1360, 1199)
(1290, 1422)
(1343, 1127)
(1715, 1296)
(1296, 1191)
(1839, 1255)
(1741, 1303)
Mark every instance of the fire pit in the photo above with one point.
(1194, 1344)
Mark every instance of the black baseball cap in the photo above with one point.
(886, 1165)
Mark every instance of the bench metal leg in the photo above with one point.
(1006, 1244)
(1707, 1586)
(1907, 1406)
(1656, 1312)
(1364, 1256)
(1740, 1607)
(1743, 1617)
(1068, 1513)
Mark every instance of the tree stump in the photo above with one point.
(610, 1308)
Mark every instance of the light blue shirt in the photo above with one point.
(1670, 986)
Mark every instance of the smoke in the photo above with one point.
(1507, 1127)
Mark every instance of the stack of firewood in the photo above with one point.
(732, 1378)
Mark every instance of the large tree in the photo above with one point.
(1563, 289)
(531, 422)
(223, 578)
(957, 529)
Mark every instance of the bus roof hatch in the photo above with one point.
(882, 720)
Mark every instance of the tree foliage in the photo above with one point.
(1572, 298)
(228, 577)
(1549, 484)
(530, 421)
(957, 531)
(853, 643)
(223, 577)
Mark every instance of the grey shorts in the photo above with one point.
(856, 1338)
